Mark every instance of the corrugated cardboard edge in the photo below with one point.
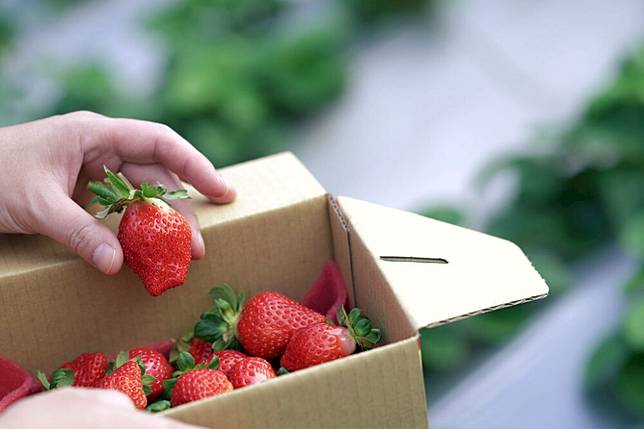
(342, 246)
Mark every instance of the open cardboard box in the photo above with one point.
(405, 271)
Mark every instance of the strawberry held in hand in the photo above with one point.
(156, 239)
(322, 342)
(263, 325)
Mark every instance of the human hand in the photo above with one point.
(47, 164)
(79, 408)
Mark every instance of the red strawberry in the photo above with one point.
(127, 379)
(249, 371)
(200, 350)
(228, 359)
(157, 366)
(263, 326)
(156, 239)
(88, 368)
(322, 342)
(198, 384)
(268, 320)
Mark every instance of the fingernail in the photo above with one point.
(103, 257)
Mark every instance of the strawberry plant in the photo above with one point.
(581, 189)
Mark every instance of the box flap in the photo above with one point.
(440, 272)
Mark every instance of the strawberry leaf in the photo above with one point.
(185, 361)
(360, 327)
(282, 371)
(148, 379)
(341, 315)
(149, 191)
(43, 380)
(62, 377)
(121, 358)
(179, 194)
(101, 190)
(158, 406)
(214, 362)
(118, 185)
(168, 385)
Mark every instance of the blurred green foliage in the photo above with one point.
(582, 190)
(240, 75)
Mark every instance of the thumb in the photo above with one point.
(69, 224)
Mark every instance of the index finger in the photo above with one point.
(146, 142)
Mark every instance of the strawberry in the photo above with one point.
(200, 350)
(263, 326)
(127, 378)
(198, 384)
(156, 239)
(88, 368)
(157, 366)
(322, 342)
(228, 359)
(192, 382)
(249, 371)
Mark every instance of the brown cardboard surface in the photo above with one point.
(382, 388)
(278, 236)
(482, 272)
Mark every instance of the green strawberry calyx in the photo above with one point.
(360, 328)
(62, 377)
(115, 193)
(218, 325)
(124, 357)
(184, 363)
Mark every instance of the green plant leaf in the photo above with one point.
(179, 194)
(158, 406)
(443, 348)
(43, 380)
(632, 235)
(122, 357)
(605, 361)
(185, 361)
(635, 285)
(630, 389)
(445, 214)
(118, 185)
(634, 325)
(214, 362)
(62, 377)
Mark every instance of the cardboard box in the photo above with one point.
(405, 271)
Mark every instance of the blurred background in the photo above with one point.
(523, 119)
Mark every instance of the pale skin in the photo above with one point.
(45, 167)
